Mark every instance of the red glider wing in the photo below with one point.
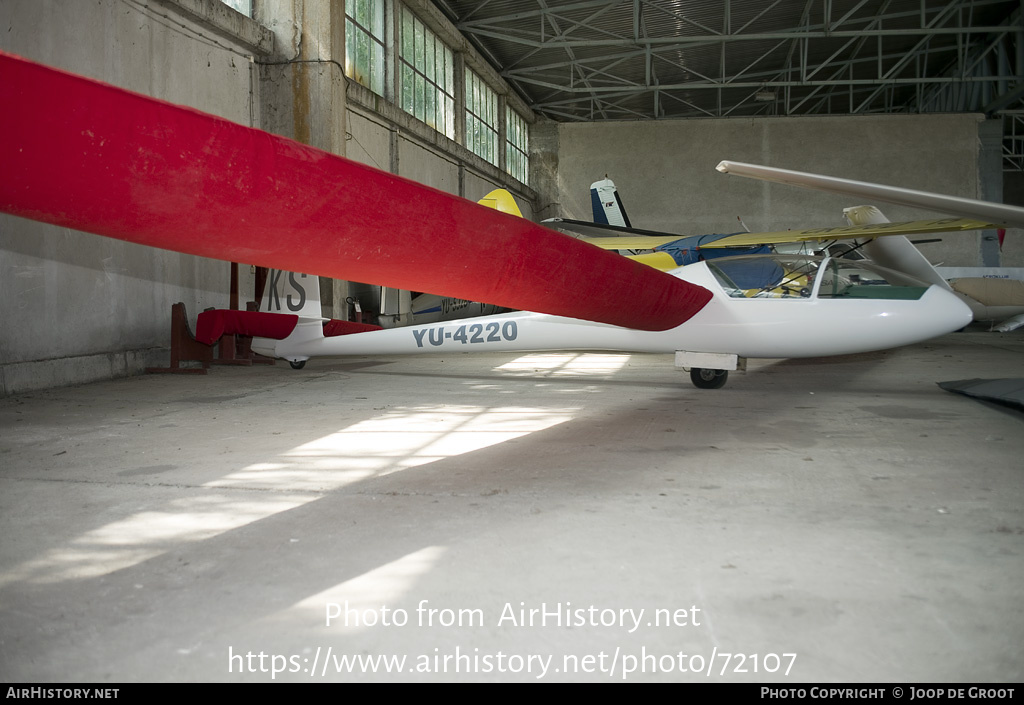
(93, 157)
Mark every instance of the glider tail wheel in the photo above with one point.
(704, 378)
(297, 364)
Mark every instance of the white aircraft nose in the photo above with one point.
(944, 311)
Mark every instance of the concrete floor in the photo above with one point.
(846, 511)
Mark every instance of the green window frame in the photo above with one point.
(364, 43)
(517, 145)
(426, 75)
(481, 118)
(243, 6)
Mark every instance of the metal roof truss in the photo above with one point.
(585, 60)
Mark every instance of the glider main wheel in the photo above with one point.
(297, 364)
(704, 378)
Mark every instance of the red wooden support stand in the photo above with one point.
(184, 346)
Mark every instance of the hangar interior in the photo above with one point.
(835, 519)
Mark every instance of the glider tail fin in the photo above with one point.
(895, 252)
(501, 200)
(606, 204)
(290, 292)
(293, 294)
(864, 215)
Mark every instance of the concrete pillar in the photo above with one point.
(502, 131)
(460, 97)
(302, 89)
(544, 168)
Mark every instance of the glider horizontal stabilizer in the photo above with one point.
(604, 230)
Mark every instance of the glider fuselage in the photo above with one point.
(805, 315)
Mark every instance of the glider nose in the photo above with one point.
(946, 312)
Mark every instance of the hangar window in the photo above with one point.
(517, 146)
(243, 6)
(364, 43)
(481, 118)
(427, 76)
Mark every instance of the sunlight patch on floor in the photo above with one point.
(399, 439)
(147, 534)
(567, 363)
(362, 602)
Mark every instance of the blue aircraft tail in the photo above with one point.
(607, 206)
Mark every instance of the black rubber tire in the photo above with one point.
(297, 364)
(704, 378)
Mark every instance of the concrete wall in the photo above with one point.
(665, 171)
(1012, 254)
(391, 142)
(381, 135)
(79, 307)
(303, 90)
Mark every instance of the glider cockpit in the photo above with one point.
(781, 276)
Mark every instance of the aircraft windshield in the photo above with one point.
(794, 276)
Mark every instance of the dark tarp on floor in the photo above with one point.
(1002, 391)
